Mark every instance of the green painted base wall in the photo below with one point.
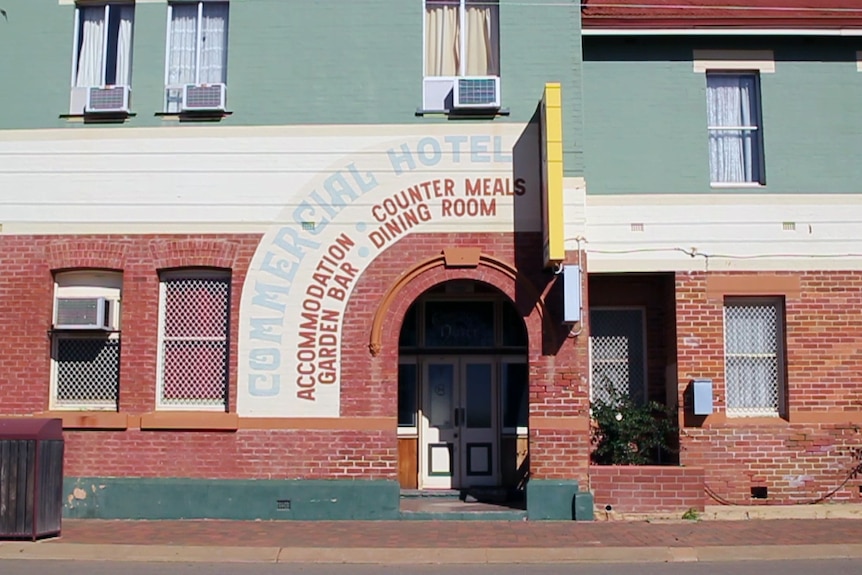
(557, 500)
(138, 498)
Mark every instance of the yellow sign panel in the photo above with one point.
(552, 175)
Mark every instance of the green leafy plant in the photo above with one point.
(628, 432)
(691, 514)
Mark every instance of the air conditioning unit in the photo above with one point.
(476, 93)
(83, 313)
(107, 100)
(204, 97)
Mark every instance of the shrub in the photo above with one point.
(627, 432)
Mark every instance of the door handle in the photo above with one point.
(457, 417)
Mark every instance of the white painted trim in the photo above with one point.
(761, 60)
(859, 61)
(726, 185)
(721, 32)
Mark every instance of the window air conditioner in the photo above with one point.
(476, 93)
(108, 99)
(83, 313)
(204, 97)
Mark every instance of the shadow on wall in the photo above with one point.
(529, 258)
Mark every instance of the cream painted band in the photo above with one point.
(760, 60)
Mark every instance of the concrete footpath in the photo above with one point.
(436, 542)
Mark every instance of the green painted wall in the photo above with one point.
(147, 498)
(298, 62)
(645, 116)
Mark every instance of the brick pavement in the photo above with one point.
(463, 534)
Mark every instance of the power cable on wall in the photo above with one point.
(852, 474)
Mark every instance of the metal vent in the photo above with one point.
(82, 313)
(477, 92)
(204, 97)
(108, 99)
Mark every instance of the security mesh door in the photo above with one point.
(617, 354)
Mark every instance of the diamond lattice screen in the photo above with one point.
(751, 358)
(616, 354)
(194, 341)
(610, 367)
(88, 372)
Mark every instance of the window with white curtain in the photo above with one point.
(735, 133)
(462, 38)
(754, 356)
(103, 45)
(196, 47)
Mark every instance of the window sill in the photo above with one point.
(726, 185)
(89, 419)
(722, 420)
(202, 116)
(465, 114)
(101, 118)
(190, 420)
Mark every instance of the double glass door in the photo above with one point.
(459, 428)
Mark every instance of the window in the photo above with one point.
(103, 45)
(462, 38)
(754, 356)
(85, 341)
(194, 315)
(735, 135)
(196, 48)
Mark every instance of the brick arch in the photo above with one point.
(70, 254)
(193, 252)
(436, 270)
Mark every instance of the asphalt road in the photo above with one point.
(32, 567)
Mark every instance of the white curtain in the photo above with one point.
(182, 54)
(98, 50)
(733, 153)
(124, 45)
(442, 42)
(483, 47)
(214, 43)
(751, 351)
(91, 43)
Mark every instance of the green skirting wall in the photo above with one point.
(138, 498)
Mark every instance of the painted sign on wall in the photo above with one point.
(391, 182)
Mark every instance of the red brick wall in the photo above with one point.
(647, 488)
(558, 363)
(808, 453)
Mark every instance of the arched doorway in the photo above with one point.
(462, 390)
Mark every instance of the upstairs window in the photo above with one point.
(103, 45)
(462, 38)
(735, 134)
(196, 53)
